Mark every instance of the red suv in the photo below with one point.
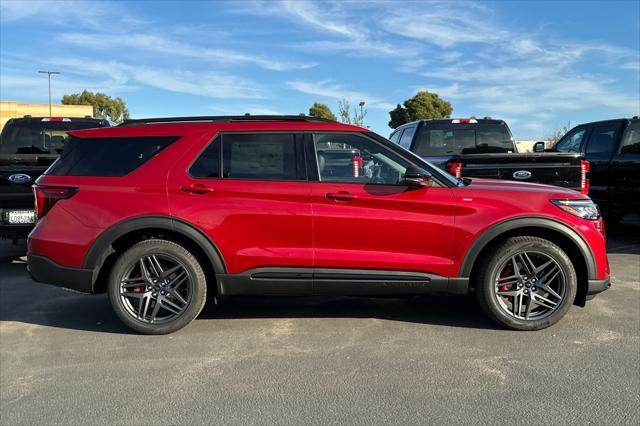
(160, 213)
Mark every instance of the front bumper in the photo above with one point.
(598, 286)
(44, 270)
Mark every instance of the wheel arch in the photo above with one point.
(557, 232)
(105, 249)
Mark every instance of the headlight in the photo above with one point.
(585, 209)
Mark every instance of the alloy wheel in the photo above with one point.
(156, 289)
(530, 285)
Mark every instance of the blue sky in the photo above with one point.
(535, 64)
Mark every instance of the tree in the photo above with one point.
(345, 113)
(399, 116)
(321, 110)
(103, 106)
(423, 105)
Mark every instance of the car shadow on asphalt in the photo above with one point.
(432, 310)
(53, 307)
(24, 301)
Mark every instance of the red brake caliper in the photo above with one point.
(506, 272)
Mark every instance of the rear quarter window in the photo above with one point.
(107, 156)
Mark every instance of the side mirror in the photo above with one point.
(538, 146)
(416, 177)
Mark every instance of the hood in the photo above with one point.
(523, 187)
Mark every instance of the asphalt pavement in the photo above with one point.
(66, 359)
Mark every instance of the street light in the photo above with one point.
(49, 73)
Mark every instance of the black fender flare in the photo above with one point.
(101, 247)
(494, 231)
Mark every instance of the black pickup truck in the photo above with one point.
(27, 147)
(612, 148)
(484, 148)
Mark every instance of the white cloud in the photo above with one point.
(165, 46)
(328, 89)
(117, 74)
(343, 27)
(87, 14)
(442, 25)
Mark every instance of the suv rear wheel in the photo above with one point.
(157, 287)
(529, 283)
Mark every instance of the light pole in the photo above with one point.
(49, 73)
(361, 113)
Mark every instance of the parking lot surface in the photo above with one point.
(66, 359)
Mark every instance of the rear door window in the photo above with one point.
(601, 139)
(407, 137)
(266, 156)
(107, 156)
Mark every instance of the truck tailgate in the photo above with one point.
(548, 168)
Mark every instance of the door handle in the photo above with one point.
(341, 196)
(196, 188)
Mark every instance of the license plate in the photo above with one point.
(22, 217)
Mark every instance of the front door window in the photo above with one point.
(351, 158)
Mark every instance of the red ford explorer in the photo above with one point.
(159, 213)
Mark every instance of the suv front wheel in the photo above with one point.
(528, 283)
(157, 287)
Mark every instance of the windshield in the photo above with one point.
(446, 138)
(38, 137)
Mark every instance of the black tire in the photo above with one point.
(492, 265)
(196, 282)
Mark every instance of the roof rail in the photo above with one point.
(224, 119)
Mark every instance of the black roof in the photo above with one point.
(225, 119)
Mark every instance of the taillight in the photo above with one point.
(47, 196)
(55, 119)
(584, 181)
(455, 168)
(464, 121)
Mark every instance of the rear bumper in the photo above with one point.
(44, 270)
(598, 286)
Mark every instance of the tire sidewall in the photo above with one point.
(509, 249)
(167, 248)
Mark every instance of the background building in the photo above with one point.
(12, 109)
